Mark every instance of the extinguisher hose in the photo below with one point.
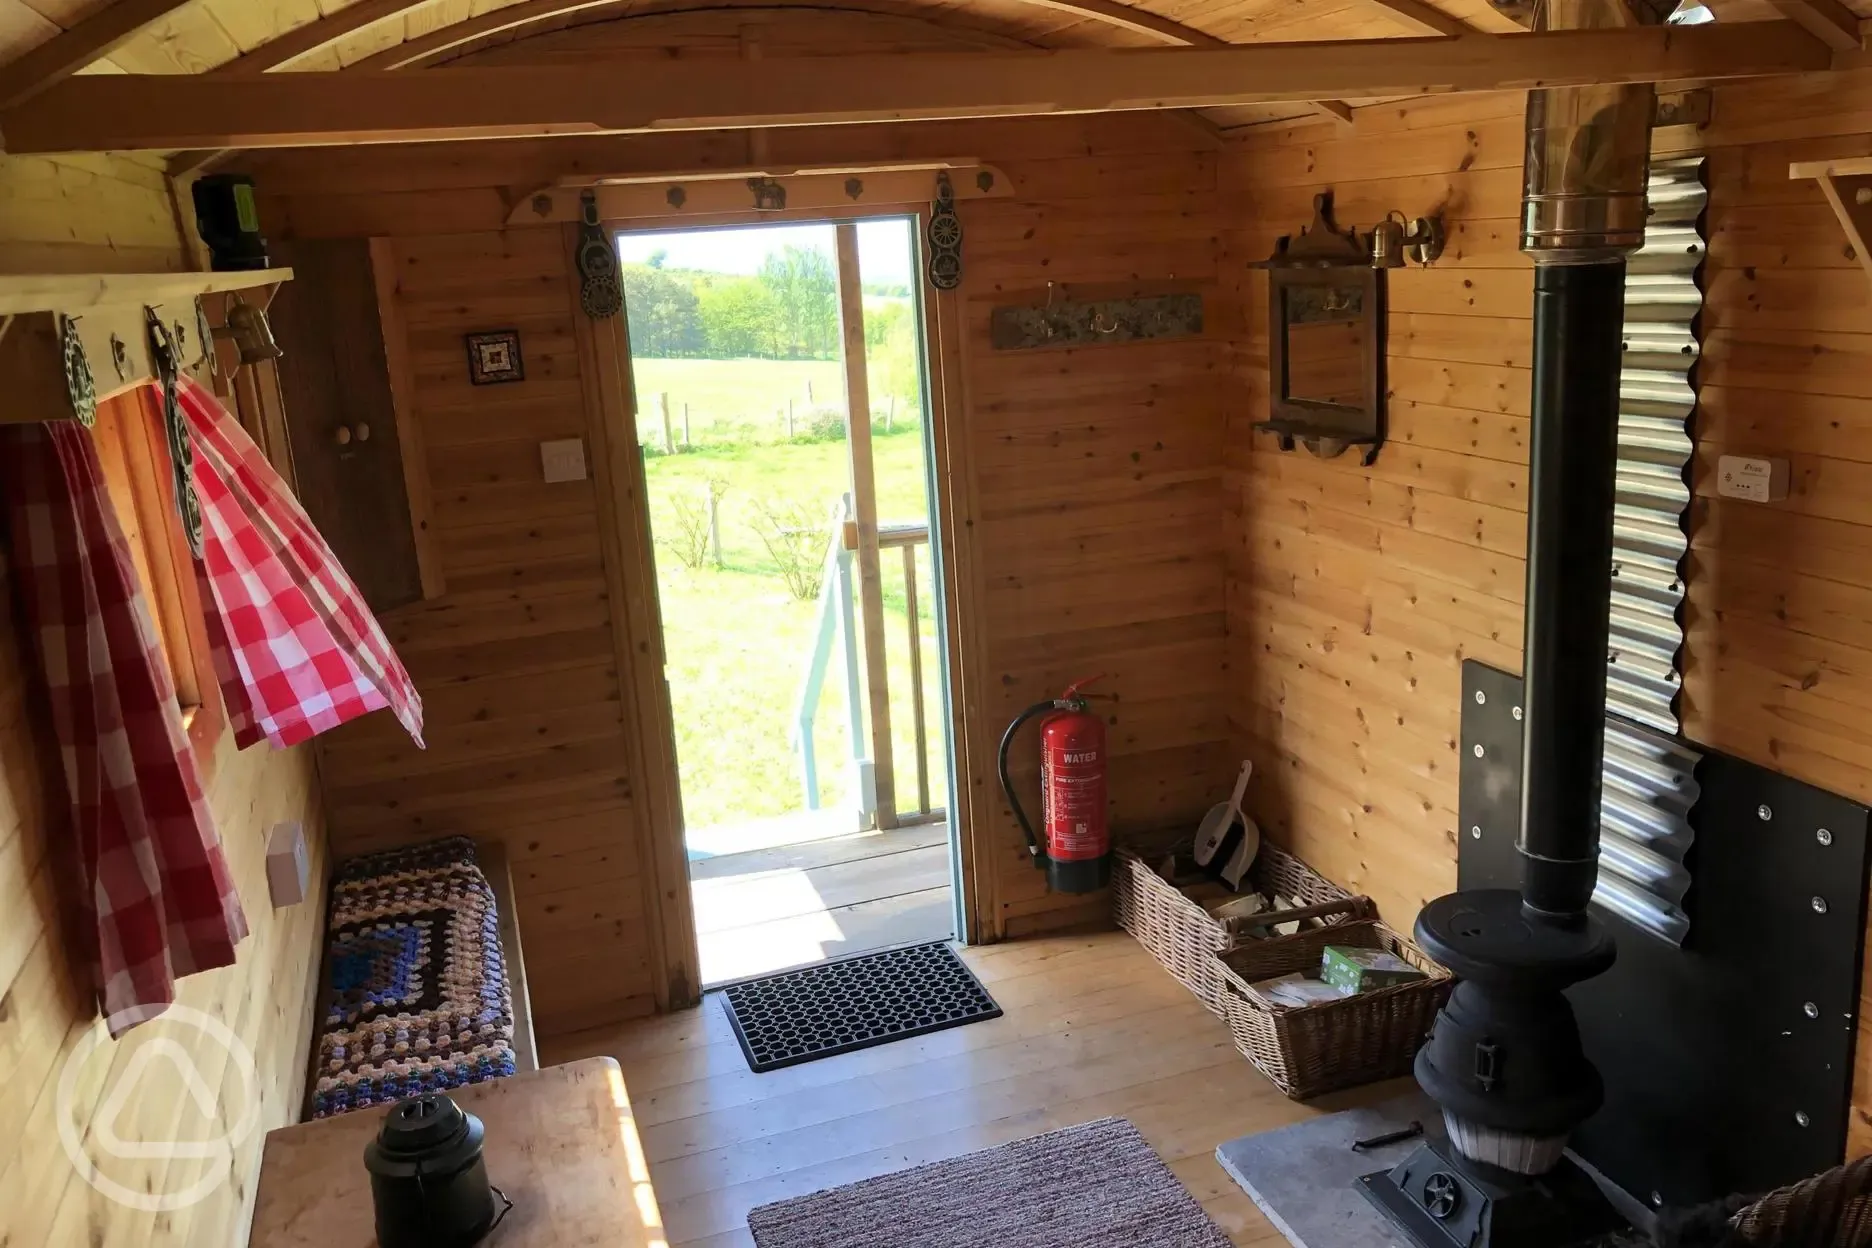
(1001, 767)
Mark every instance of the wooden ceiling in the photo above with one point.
(41, 39)
(200, 36)
(206, 34)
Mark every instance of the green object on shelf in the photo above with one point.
(1357, 969)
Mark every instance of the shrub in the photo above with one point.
(688, 532)
(822, 424)
(795, 533)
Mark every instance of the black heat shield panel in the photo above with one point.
(1718, 1080)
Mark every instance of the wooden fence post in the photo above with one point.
(685, 427)
(714, 522)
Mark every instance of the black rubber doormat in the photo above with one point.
(854, 1003)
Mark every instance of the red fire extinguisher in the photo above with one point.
(1075, 848)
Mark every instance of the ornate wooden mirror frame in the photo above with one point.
(1324, 281)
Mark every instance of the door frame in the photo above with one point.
(624, 515)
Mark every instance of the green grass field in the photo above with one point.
(738, 402)
(737, 640)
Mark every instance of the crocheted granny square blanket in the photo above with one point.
(416, 988)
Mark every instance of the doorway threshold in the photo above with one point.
(746, 836)
(783, 906)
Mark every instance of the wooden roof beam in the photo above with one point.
(1109, 12)
(65, 54)
(1826, 20)
(309, 38)
(1143, 21)
(1424, 19)
(134, 112)
(445, 39)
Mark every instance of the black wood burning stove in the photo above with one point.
(1504, 1061)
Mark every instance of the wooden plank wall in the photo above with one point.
(1354, 594)
(1097, 492)
(1091, 480)
(515, 662)
(95, 213)
(86, 212)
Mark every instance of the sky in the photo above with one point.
(884, 250)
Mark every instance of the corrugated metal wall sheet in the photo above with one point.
(1650, 781)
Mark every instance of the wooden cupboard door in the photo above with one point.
(341, 415)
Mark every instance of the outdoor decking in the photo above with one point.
(770, 909)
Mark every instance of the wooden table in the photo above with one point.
(561, 1143)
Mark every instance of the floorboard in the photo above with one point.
(1092, 1027)
(774, 909)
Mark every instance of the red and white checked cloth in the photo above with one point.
(296, 651)
(157, 894)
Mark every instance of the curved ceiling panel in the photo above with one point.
(197, 36)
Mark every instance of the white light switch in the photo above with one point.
(563, 460)
(1747, 477)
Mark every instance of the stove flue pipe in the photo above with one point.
(1588, 155)
(1504, 1061)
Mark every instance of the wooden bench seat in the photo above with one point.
(492, 856)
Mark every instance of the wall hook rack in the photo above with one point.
(71, 341)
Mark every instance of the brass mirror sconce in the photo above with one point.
(1395, 240)
(1326, 319)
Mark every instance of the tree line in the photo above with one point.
(787, 311)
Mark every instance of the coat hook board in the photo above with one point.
(1070, 318)
(758, 188)
(68, 341)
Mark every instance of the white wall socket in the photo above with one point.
(289, 869)
(563, 460)
(1754, 479)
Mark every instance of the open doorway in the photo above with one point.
(804, 661)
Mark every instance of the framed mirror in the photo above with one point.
(1326, 321)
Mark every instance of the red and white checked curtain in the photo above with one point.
(296, 651)
(157, 896)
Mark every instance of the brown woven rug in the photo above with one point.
(1098, 1185)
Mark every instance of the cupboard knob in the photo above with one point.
(344, 435)
(361, 431)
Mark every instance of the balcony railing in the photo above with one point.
(838, 620)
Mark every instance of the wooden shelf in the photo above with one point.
(1848, 167)
(1847, 185)
(110, 312)
(72, 292)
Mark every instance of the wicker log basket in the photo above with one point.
(1186, 938)
(1307, 1051)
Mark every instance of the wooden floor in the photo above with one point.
(1093, 1027)
(771, 909)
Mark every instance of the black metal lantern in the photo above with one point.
(429, 1185)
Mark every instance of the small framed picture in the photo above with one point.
(495, 357)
